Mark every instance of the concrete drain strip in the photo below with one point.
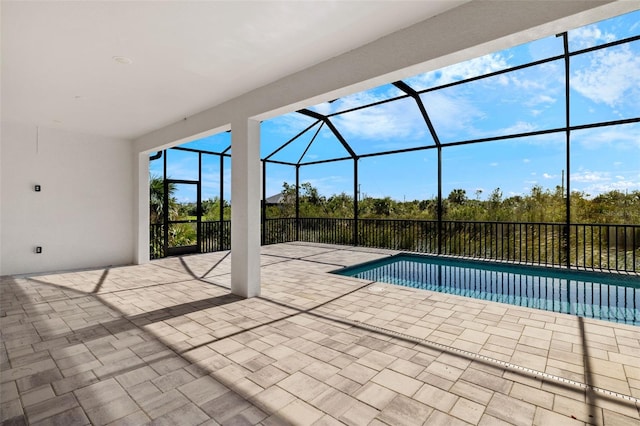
(503, 364)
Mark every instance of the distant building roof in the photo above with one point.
(275, 199)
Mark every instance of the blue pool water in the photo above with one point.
(610, 297)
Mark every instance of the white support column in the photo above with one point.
(141, 206)
(245, 208)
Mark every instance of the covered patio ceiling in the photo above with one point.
(123, 69)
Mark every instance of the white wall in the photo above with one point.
(83, 216)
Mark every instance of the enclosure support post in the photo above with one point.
(355, 201)
(165, 205)
(199, 206)
(221, 199)
(297, 202)
(264, 203)
(439, 207)
(567, 228)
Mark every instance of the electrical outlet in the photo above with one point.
(37, 188)
(38, 250)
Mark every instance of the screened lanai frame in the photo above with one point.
(326, 121)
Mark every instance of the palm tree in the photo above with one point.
(156, 198)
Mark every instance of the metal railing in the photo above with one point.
(214, 236)
(588, 246)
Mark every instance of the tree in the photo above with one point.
(156, 199)
(457, 196)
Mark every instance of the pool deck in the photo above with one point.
(167, 343)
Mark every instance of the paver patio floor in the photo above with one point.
(166, 343)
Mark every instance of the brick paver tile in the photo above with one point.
(444, 370)
(472, 392)
(299, 413)
(547, 417)
(613, 418)
(231, 374)
(112, 410)
(358, 414)
(302, 386)
(607, 382)
(74, 416)
(51, 407)
(8, 391)
(267, 376)
(37, 395)
(99, 393)
(327, 420)
(375, 395)
(246, 388)
(441, 419)
(203, 389)
(511, 410)
(333, 402)
(405, 411)
(11, 411)
(30, 381)
(486, 380)
(376, 360)
(467, 410)
(435, 397)
(188, 414)
(143, 392)
(133, 419)
(320, 370)
(358, 373)
(397, 382)
(173, 380)
(160, 404)
(272, 399)
(249, 416)
(488, 420)
(532, 395)
(435, 380)
(293, 362)
(69, 384)
(405, 367)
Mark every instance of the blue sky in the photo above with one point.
(605, 85)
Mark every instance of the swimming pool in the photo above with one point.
(610, 297)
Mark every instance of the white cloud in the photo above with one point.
(609, 78)
(451, 115)
(598, 182)
(468, 69)
(356, 100)
(329, 185)
(589, 176)
(548, 176)
(621, 185)
(526, 160)
(396, 120)
(289, 124)
(588, 36)
(518, 127)
(494, 164)
(541, 99)
(626, 137)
